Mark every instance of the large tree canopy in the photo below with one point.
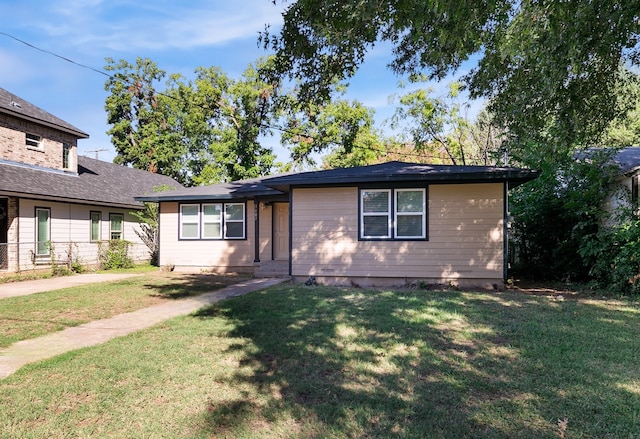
(537, 59)
(213, 128)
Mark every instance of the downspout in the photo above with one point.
(505, 233)
(290, 230)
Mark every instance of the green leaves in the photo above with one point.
(538, 60)
(199, 132)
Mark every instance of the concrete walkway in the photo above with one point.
(100, 331)
(23, 288)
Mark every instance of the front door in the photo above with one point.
(4, 227)
(281, 231)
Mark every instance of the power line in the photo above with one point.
(55, 54)
(281, 129)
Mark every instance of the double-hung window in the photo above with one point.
(376, 213)
(43, 231)
(410, 208)
(399, 214)
(234, 221)
(189, 221)
(33, 141)
(212, 221)
(116, 225)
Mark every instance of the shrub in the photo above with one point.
(115, 254)
(614, 256)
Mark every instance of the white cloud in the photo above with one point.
(135, 26)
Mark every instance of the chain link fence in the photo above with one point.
(16, 257)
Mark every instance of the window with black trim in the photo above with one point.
(212, 221)
(399, 213)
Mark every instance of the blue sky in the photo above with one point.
(178, 36)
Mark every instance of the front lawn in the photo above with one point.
(317, 362)
(26, 317)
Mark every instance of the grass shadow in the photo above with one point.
(180, 285)
(415, 364)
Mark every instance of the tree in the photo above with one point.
(198, 132)
(140, 117)
(537, 59)
(438, 127)
(224, 119)
(337, 127)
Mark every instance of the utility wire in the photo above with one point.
(281, 129)
(55, 54)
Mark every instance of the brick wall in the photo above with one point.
(13, 144)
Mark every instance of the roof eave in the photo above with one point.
(204, 197)
(514, 178)
(79, 134)
(70, 200)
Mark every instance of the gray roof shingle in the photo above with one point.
(628, 159)
(401, 171)
(96, 182)
(15, 106)
(391, 172)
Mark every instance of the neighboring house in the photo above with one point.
(627, 169)
(389, 224)
(628, 162)
(56, 206)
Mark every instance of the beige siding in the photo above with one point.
(465, 227)
(217, 255)
(266, 250)
(70, 233)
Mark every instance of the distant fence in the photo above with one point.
(4, 256)
(15, 257)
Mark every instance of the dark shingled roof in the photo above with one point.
(96, 182)
(628, 159)
(15, 106)
(241, 189)
(391, 172)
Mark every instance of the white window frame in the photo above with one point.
(423, 214)
(191, 221)
(201, 219)
(112, 230)
(208, 219)
(43, 247)
(241, 221)
(364, 214)
(33, 141)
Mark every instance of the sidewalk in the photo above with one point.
(23, 288)
(100, 331)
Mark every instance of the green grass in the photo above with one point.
(300, 362)
(34, 315)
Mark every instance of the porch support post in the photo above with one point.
(256, 234)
